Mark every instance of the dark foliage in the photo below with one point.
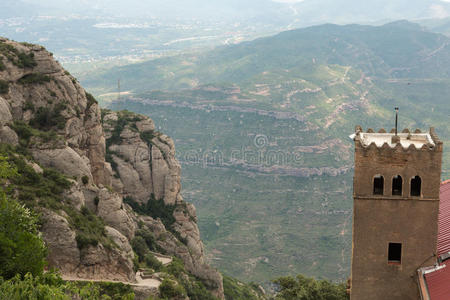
(34, 78)
(4, 87)
(18, 58)
(90, 229)
(90, 100)
(305, 288)
(170, 289)
(26, 132)
(25, 60)
(47, 118)
(155, 209)
(2, 65)
(85, 179)
(235, 290)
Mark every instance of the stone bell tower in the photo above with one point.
(395, 211)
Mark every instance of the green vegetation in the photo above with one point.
(47, 117)
(25, 60)
(177, 280)
(2, 64)
(50, 286)
(171, 289)
(21, 247)
(32, 188)
(18, 58)
(27, 134)
(4, 87)
(304, 288)
(90, 100)
(34, 78)
(104, 290)
(85, 179)
(155, 209)
(147, 136)
(90, 228)
(236, 290)
(302, 91)
(124, 118)
(142, 244)
(187, 284)
(45, 190)
(29, 105)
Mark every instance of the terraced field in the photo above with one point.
(261, 129)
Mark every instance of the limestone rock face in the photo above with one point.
(62, 246)
(107, 156)
(8, 136)
(111, 209)
(5, 114)
(67, 135)
(147, 170)
(143, 159)
(190, 252)
(65, 160)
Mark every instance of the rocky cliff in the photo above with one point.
(108, 157)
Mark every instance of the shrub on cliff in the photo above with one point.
(305, 288)
(50, 286)
(22, 250)
(4, 87)
(170, 289)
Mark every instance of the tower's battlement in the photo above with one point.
(406, 140)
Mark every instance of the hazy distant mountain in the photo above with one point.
(294, 13)
(353, 11)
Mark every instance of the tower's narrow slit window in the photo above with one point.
(397, 185)
(378, 185)
(395, 253)
(416, 186)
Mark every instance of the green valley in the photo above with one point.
(262, 127)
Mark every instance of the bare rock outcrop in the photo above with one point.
(147, 170)
(93, 262)
(111, 209)
(45, 108)
(107, 156)
(142, 159)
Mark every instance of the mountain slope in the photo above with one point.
(72, 160)
(394, 50)
(262, 133)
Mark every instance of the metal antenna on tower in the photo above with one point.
(396, 121)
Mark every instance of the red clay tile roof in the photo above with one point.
(443, 244)
(438, 283)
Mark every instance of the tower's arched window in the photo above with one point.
(378, 185)
(416, 186)
(397, 185)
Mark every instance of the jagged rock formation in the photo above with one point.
(145, 169)
(46, 111)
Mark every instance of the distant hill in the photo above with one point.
(262, 132)
(283, 13)
(395, 50)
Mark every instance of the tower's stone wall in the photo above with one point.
(382, 219)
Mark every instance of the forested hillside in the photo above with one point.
(262, 132)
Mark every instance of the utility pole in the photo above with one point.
(118, 88)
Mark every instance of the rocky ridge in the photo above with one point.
(108, 157)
